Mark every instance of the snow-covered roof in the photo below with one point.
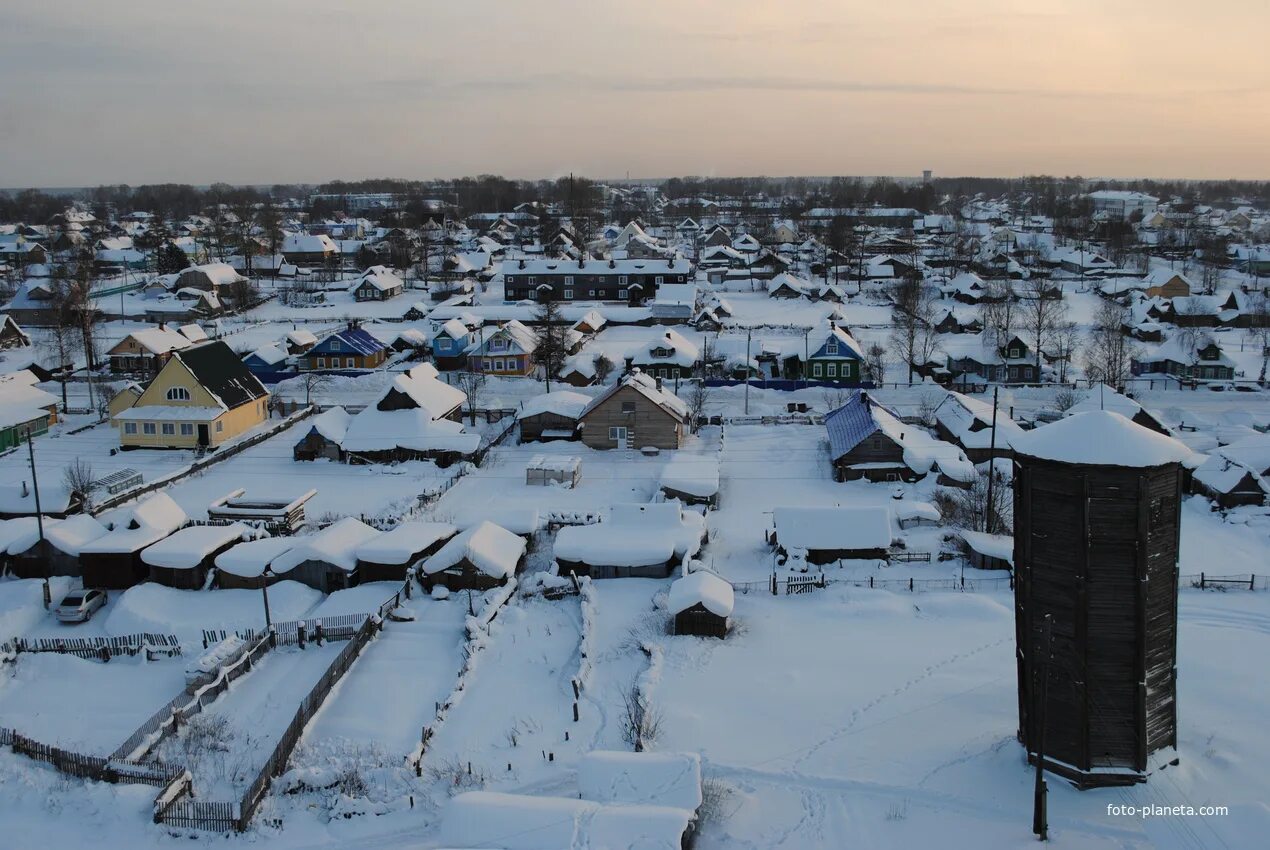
(1000, 546)
(403, 542)
(380, 278)
(966, 418)
(694, 474)
(337, 545)
(913, 509)
(1101, 438)
(633, 534)
(160, 340)
(186, 548)
(249, 559)
(658, 779)
(828, 528)
(331, 424)
(489, 548)
(73, 533)
(646, 385)
(560, 402)
(701, 588)
(149, 521)
(1222, 474)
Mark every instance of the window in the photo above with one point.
(531, 280)
(621, 280)
(1014, 373)
(130, 427)
(832, 347)
(590, 293)
(831, 369)
(498, 365)
(498, 343)
(892, 476)
(168, 429)
(621, 293)
(816, 370)
(350, 362)
(220, 426)
(659, 280)
(487, 364)
(321, 362)
(178, 394)
(568, 280)
(147, 428)
(568, 293)
(335, 345)
(187, 430)
(617, 433)
(628, 407)
(1014, 352)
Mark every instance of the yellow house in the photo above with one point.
(204, 396)
(1166, 283)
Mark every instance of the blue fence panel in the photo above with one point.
(785, 385)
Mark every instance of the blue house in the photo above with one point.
(350, 348)
(839, 358)
(267, 358)
(867, 440)
(450, 345)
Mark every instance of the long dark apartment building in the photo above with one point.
(632, 281)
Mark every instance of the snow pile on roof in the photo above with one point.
(408, 416)
(695, 475)
(19, 498)
(151, 520)
(912, 509)
(518, 519)
(404, 542)
(633, 535)
(567, 464)
(676, 347)
(646, 385)
(813, 528)
(302, 337)
(160, 340)
(187, 548)
(560, 402)
(1101, 438)
(380, 278)
(1000, 546)
(1103, 397)
(270, 354)
(489, 548)
(1223, 474)
(331, 424)
(337, 545)
(861, 417)
(486, 819)
(657, 779)
(969, 420)
(250, 559)
(701, 588)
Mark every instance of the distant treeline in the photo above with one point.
(581, 196)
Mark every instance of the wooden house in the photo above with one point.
(250, 565)
(838, 358)
(1229, 482)
(203, 397)
(416, 418)
(701, 604)
(350, 348)
(866, 440)
(390, 556)
(450, 344)
(145, 352)
(1166, 283)
(633, 413)
(327, 560)
(667, 355)
(377, 283)
(640, 540)
(324, 437)
(507, 350)
(988, 551)
(28, 555)
(12, 336)
(483, 556)
(968, 423)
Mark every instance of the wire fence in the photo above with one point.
(795, 584)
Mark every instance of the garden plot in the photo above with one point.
(225, 746)
(85, 705)
(22, 605)
(393, 690)
(517, 702)
(59, 449)
(893, 718)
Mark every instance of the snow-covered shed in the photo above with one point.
(634, 540)
(487, 819)
(1229, 482)
(483, 556)
(27, 555)
(554, 469)
(691, 478)
(324, 437)
(250, 564)
(389, 556)
(327, 560)
(183, 559)
(113, 560)
(968, 422)
(989, 551)
(1103, 397)
(910, 513)
(282, 513)
(701, 604)
(821, 535)
(551, 416)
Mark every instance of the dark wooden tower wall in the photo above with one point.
(1096, 547)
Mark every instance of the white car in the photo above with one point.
(78, 606)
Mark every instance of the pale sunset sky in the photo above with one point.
(276, 91)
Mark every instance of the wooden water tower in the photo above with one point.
(1097, 502)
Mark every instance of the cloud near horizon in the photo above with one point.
(292, 91)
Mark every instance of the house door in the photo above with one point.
(203, 437)
(618, 435)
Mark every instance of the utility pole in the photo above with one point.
(747, 372)
(806, 357)
(39, 516)
(1040, 808)
(992, 465)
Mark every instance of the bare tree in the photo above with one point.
(1065, 399)
(1259, 327)
(698, 397)
(999, 312)
(875, 362)
(314, 382)
(1109, 352)
(1066, 339)
(1041, 315)
(79, 478)
(552, 333)
(913, 323)
(603, 368)
(475, 385)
